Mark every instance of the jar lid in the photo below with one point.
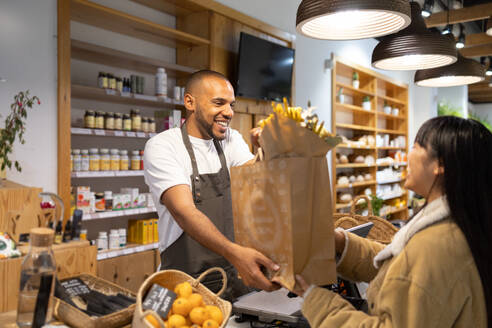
(122, 231)
(126, 116)
(100, 113)
(76, 151)
(90, 112)
(123, 152)
(135, 152)
(117, 115)
(108, 194)
(103, 234)
(113, 232)
(114, 151)
(93, 150)
(41, 237)
(104, 151)
(84, 151)
(109, 114)
(99, 195)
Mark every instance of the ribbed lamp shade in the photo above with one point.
(351, 19)
(414, 48)
(464, 71)
(489, 26)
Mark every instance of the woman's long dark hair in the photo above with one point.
(464, 148)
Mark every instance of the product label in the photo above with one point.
(159, 299)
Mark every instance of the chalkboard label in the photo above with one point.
(75, 287)
(159, 299)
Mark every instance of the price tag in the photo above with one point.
(130, 134)
(111, 92)
(125, 94)
(81, 131)
(159, 299)
(140, 248)
(99, 132)
(119, 134)
(141, 134)
(127, 251)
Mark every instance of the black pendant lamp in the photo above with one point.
(488, 30)
(414, 48)
(464, 71)
(351, 19)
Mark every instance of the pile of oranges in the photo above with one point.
(189, 311)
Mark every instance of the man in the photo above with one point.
(187, 171)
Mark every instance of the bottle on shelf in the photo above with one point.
(109, 121)
(77, 160)
(94, 160)
(151, 125)
(67, 233)
(114, 239)
(118, 121)
(127, 122)
(136, 120)
(99, 121)
(122, 235)
(58, 232)
(105, 164)
(135, 160)
(115, 159)
(145, 124)
(161, 83)
(89, 119)
(84, 160)
(124, 161)
(102, 80)
(119, 84)
(102, 241)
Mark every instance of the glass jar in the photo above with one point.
(77, 160)
(118, 121)
(124, 160)
(99, 120)
(115, 159)
(94, 159)
(108, 200)
(105, 164)
(101, 79)
(84, 160)
(145, 124)
(127, 122)
(89, 119)
(100, 204)
(83, 234)
(109, 121)
(119, 84)
(136, 120)
(151, 125)
(135, 160)
(114, 239)
(141, 153)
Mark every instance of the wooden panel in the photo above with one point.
(123, 271)
(477, 87)
(243, 123)
(13, 198)
(172, 7)
(478, 51)
(477, 39)
(462, 15)
(195, 23)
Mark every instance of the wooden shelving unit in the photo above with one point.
(351, 120)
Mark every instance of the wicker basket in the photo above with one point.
(78, 319)
(169, 279)
(382, 231)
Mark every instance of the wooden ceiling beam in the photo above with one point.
(477, 39)
(463, 15)
(479, 87)
(478, 51)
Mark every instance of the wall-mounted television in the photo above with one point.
(264, 69)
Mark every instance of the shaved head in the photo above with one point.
(195, 80)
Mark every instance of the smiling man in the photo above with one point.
(187, 170)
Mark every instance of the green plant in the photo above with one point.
(481, 119)
(340, 92)
(15, 125)
(376, 203)
(446, 109)
(366, 99)
(355, 76)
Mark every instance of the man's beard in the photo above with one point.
(205, 126)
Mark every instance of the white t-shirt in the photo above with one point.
(167, 164)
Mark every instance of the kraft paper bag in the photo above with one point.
(282, 206)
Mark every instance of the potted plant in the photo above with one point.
(340, 96)
(15, 126)
(386, 108)
(395, 111)
(366, 103)
(355, 80)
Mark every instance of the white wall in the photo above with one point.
(483, 110)
(28, 61)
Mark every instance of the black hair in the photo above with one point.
(199, 76)
(463, 148)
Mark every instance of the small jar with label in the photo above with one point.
(127, 122)
(145, 124)
(89, 119)
(114, 239)
(141, 153)
(135, 160)
(119, 84)
(124, 160)
(94, 159)
(99, 120)
(151, 125)
(136, 120)
(109, 121)
(77, 160)
(122, 234)
(108, 200)
(105, 164)
(83, 234)
(111, 82)
(102, 241)
(100, 204)
(84, 160)
(118, 121)
(115, 159)
(102, 80)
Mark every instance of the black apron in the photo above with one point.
(212, 196)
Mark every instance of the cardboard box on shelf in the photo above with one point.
(83, 199)
(167, 119)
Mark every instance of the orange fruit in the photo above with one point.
(176, 321)
(183, 289)
(215, 313)
(196, 300)
(169, 313)
(210, 324)
(152, 321)
(195, 326)
(188, 321)
(198, 315)
(182, 306)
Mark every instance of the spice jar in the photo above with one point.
(136, 120)
(127, 122)
(119, 84)
(99, 120)
(100, 205)
(151, 125)
(123, 160)
(94, 159)
(102, 80)
(115, 159)
(118, 121)
(89, 119)
(77, 160)
(84, 160)
(135, 160)
(145, 124)
(108, 200)
(109, 122)
(105, 164)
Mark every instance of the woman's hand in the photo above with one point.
(301, 285)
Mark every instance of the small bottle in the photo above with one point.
(119, 84)
(105, 164)
(136, 120)
(133, 83)
(112, 82)
(67, 233)
(94, 160)
(127, 122)
(89, 119)
(135, 160)
(118, 121)
(141, 153)
(124, 160)
(122, 234)
(115, 159)
(145, 124)
(37, 281)
(100, 81)
(109, 121)
(77, 160)
(83, 234)
(151, 125)
(58, 232)
(114, 239)
(99, 120)
(161, 83)
(108, 200)
(84, 160)
(102, 241)
(100, 204)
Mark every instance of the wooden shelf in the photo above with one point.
(392, 100)
(393, 164)
(93, 93)
(107, 174)
(390, 131)
(129, 249)
(356, 184)
(395, 211)
(354, 108)
(340, 205)
(393, 197)
(390, 181)
(390, 116)
(115, 58)
(390, 148)
(354, 127)
(353, 90)
(353, 165)
(110, 133)
(91, 13)
(351, 147)
(117, 213)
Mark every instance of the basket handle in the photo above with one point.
(206, 272)
(259, 156)
(356, 199)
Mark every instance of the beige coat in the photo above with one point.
(433, 282)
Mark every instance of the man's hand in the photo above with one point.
(339, 242)
(248, 263)
(255, 136)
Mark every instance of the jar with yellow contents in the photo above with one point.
(135, 160)
(105, 164)
(115, 159)
(94, 159)
(123, 160)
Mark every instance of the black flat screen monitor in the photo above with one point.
(264, 69)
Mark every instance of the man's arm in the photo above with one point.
(247, 261)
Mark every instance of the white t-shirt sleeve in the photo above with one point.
(238, 150)
(162, 167)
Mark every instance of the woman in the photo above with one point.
(437, 272)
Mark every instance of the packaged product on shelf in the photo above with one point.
(122, 237)
(118, 121)
(89, 119)
(99, 121)
(136, 120)
(161, 83)
(117, 202)
(151, 125)
(133, 192)
(85, 160)
(100, 204)
(127, 201)
(77, 160)
(83, 198)
(92, 202)
(150, 231)
(167, 119)
(135, 160)
(112, 82)
(124, 160)
(133, 83)
(102, 241)
(83, 234)
(108, 200)
(115, 159)
(149, 199)
(141, 200)
(105, 163)
(127, 122)
(145, 124)
(114, 239)
(119, 84)
(141, 153)
(156, 230)
(94, 159)
(109, 121)
(140, 84)
(102, 80)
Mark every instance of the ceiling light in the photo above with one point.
(464, 71)
(488, 72)
(351, 19)
(460, 44)
(427, 10)
(414, 48)
(488, 30)
(448, 29)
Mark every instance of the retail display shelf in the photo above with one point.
(390, 148)
(105, 174)
(356, 184)
(390, 181)
(353, 90)
(110, 133)
(393, 196)
(354, 147)
(400, 117)
(354, 127)
(108, 95)
(391, 131)
(392, 164)
(392, 100)
(398, 210)
(113, 214)
(353, 165)
(130, 249)
(341, 205)
(353, 108)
